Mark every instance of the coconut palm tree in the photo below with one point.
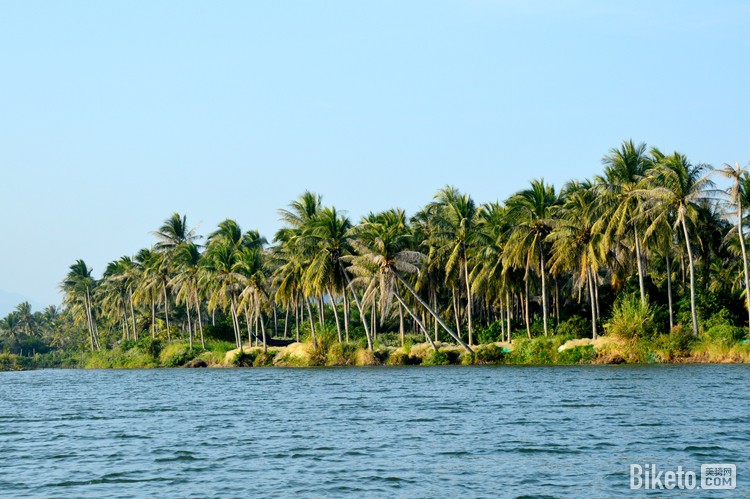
(383, 244)
(456, 217)
(531, 211)
(77, 287)
(677, 186)
(578, 241)
(738, 175)
(185, 283)
(624, 174)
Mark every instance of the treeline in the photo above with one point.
(544, 261)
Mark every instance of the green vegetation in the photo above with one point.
(647, 262)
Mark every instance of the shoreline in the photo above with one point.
(539, 351)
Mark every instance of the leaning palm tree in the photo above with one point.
(737, 174)
(383, 244)
(531, 212)
(677, 186)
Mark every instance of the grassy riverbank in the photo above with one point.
(675, 348)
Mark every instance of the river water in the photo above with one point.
(565, 431)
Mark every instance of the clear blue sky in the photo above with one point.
(115, 114)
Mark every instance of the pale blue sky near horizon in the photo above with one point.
(115, 114)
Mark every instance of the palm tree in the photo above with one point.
(737, 175)
(578, 241)
(383, 244)
(329, 237)
(187, 258)
(677, 186)
(77, 286)
(456, 219)
(25, 317)
(624, 171)
(531, 212)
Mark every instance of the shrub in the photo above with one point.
(725, 334)
(436, 358)
(341, 354)
(489, 354)
(574, 327)
(245, 358)
(631, 319)
(264, 359)
(581, 354)
(149, 345)
(539, 350)
(490, 334)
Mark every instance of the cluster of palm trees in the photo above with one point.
(453, 268)
(23, 328)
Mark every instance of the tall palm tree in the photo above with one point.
(531, 211)
(186, 284)
(624, 173)
(77, 286)
(456, 220)
(578, 241)
(677, 186)
(737, 174)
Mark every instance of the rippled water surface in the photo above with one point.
(390, 432)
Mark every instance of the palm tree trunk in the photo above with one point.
(263, 331)
(235, 325)
(692, 277)
(335, 314)
(249, 329)
(153, 315)
(416, 320)
(132, 315)
(741, 235)
(557, 301)
(526, 306)
(312, 326)
(321, 308)
(87, 308)
(166, 311)
(297, 313)
(456, 311)
(592, 299)
(374, 321)
(275, 321)
(200, 319)
(434, 314)
(359, 306)
(669, 291)
(468, 300)
(190, 323)
(544, 288)
(639, 263)
(346, 315)
(507, 310)
(401, 324)
(286, 321)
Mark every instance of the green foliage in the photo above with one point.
(581, 354)
(489, 354)
(538, 350)
(574, 327)
(490, 334)
(176, 354)
(149, 345)
(264, 359)
(341, 354)
(10, 362)
(438, 358)
(245, 358)
(725, 334)
(631, 319)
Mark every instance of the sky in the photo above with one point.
(114, 115)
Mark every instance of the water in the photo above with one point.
(389, 432)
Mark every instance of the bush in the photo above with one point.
(489, 354)
(436, 358)
(149, 345)
(581, 354)
(341, 354)
(631, 319)
(491, 334)
(574, 327)
(725, 334)
(539, 350)
(245, 358)
(264, 359)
